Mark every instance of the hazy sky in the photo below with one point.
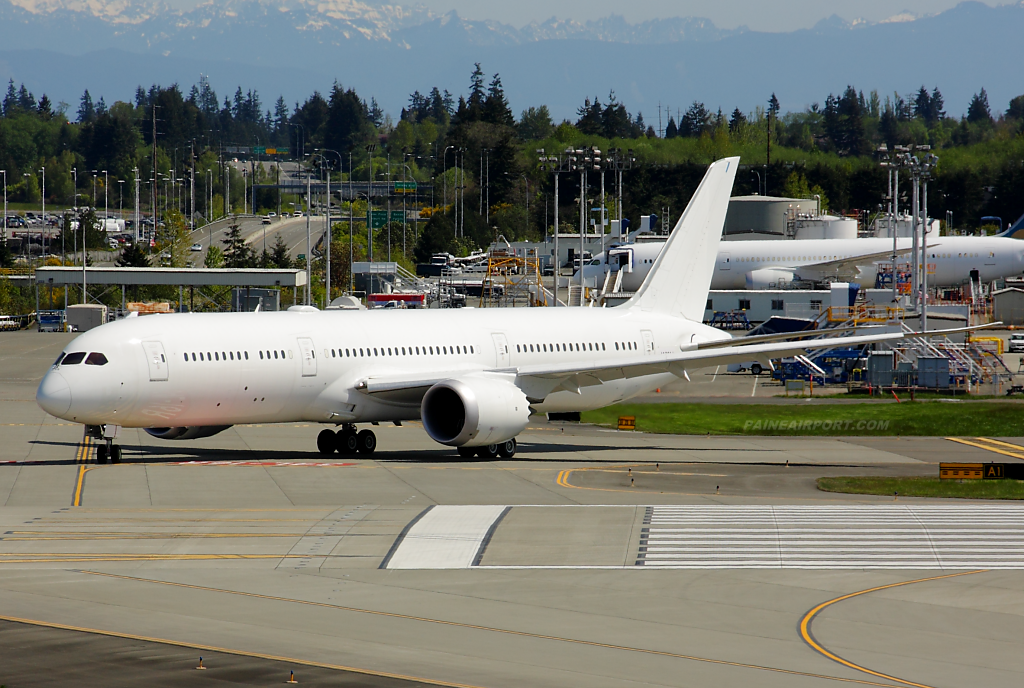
(756, 14)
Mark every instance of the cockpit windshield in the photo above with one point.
(96, 359)
(73, 358)
(59, 359)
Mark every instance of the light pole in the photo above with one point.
(42, 197)
(120, 198)
(369, 202)
(527, 201)
(245, 190)
(106, 200)
(620, 161)
(4, 237)
(589, 158)
(327, 232)
(138, 234)
(562, 162)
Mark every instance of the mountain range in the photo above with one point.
(292, 47)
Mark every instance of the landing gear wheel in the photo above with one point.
(101, 454)
(756, 369)
(507, 449)
(115, 453)
(467, 452)
(325, 441)
(348, 442)
(367, 441)
(489, 451)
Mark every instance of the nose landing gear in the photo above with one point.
(107, 451)
(346, 441)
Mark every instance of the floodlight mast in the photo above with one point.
(561, 162)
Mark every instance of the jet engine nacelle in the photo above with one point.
(769, 278)
(474, 411)
(193, 432)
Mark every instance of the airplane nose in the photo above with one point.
(54, 394)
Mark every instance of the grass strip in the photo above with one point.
(929, 419)
(925, 487)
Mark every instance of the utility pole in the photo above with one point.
(563, 162)
(369, 205)
(309, 273)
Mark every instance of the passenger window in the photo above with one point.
(471, 349)
(208, 356)
(186, 358)
(201, 356)
(247, 355)
(602, 346)
(239, 355)
(445, 350)
(431, 349)
(403, 351)
(311, 353)
(193, 356)
(616, 346)
(517, 349)
(232, 355)
(275, 354)
(417, 351)
(223, 356)
(216, 356)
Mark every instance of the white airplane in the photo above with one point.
(952, 261)
(472, 376)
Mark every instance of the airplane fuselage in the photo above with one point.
(224, 369)
(951, 260)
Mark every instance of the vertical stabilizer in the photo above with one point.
(679, 281)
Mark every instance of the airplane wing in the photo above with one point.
(537, 381)
(851, 269)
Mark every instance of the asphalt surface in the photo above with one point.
(250, 549)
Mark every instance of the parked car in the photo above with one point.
(1016, 345)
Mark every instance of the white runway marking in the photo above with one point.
(446, 537)
(830, 537)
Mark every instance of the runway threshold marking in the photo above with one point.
(505, 631)
(237, 653)
(808, 619)
(998, 449)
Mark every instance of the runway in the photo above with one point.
(598, 558)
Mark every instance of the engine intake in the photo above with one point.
(192, 432)
(474, 411)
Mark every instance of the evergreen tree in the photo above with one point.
(279, 254)
(978, 111)
(475, 103)
(736, 120)
(11, 99)
(773, 104)
(215, 257)
(237, 253)
(101, 107)
(26, 101)
(535, 123)
(589, 122)
(696, 120)
(132, 256)
(937, 105)
(86, 110)
(923, 105)
(1016, 109)
(495, 106)
(671, 130)
(45, 108)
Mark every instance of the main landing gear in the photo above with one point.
(346, 441)
(504, 450)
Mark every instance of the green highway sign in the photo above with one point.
(379, 218)
(259, 150)
(405, 187)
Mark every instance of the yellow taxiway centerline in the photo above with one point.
(805, 626)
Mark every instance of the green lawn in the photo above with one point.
(930, 418)
(925, 487)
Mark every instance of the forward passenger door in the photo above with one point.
(501, 352)
(308, 355)
(156, 361)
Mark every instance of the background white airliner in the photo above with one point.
(773, 264)
(472, 376)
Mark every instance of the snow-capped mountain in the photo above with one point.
(291, 47)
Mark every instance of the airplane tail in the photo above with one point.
(678, 282)
(1014, 229)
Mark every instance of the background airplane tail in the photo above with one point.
(679, 281)
(1015, 230)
